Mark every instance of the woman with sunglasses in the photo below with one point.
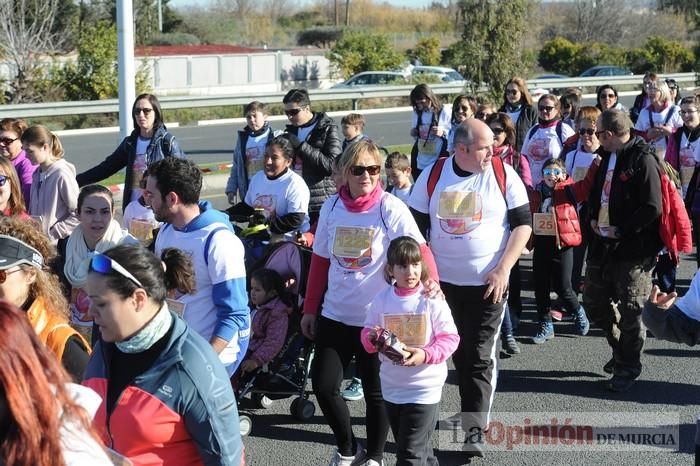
(643, 99)
(463, 108)
(166, 398)
(517, 103)
(148, 142)
(430, 125)
(11, 130)
(354, 231)
(11, 199)
(44, 418)
(570, 103)
(546, 139)
(675, 91)
(660, 119)
(27, 282)
(97, 232)
(607, 98)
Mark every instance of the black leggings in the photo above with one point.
(336, 344)
(553, 266)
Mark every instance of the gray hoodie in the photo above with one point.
(54, 199)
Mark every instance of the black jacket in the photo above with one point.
(635, 200)
(526, 120)
(637, 107)
(163, 144)
(318, 154)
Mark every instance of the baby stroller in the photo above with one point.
(287, 374)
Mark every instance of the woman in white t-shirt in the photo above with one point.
(684, 149)
(463, 108)
(430, 125)
(546, 139)
(660, 119)
(354, 230)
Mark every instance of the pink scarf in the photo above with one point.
(361, 203)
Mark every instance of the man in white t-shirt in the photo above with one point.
(477, 232)
(624, 209)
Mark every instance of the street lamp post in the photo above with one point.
(125, 57)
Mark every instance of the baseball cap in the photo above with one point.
(15, 252)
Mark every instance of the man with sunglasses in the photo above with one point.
(317, 144)
(624, 210)
(218, 308)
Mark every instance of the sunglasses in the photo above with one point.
(546, 108)
(682, 112)
(497, 131)
(552, 171)
(359, 170)
(588, 131)
(3, 179)
(481, 115)
(7, 141)
(145, 111)
(598, 133)
(607, 96)
(292, 112)
(511, 91)
(103, 264)
(462, 109)
(5, 273)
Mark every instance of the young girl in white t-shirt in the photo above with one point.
(412, 387)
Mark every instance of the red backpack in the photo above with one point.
(674, 225)
(498, 170)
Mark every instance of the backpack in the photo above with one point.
(498, 170)
(166, 144)
(674, 225)
(534, 129)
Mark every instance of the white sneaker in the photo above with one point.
(369, 462)
(356, 460)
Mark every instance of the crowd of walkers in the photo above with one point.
(121, 339)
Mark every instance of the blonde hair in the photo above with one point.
(16, 201)
(352, 154)
(39, 135)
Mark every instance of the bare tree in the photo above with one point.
(25, 38)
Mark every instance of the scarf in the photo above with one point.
(150, 334)
(501, 151)
(510, 108)
(78, 255)
(547, 123)
(362, 203)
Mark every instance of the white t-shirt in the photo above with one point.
(254, 152)
(689, 303)
(287, 194)
(469, 226)
(428, 317)
(429, 145)
(688, 157)
(403, 194)
(515, 115)
(139, 219)
(647, 116)
(604, 212)
(578, 162)
(302, 133)
(139, 166)
(543, 145)
(356, 244)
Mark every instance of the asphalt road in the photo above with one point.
(562, 376)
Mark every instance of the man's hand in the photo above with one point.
(497, 281)
(249, 365)
(662, 300)
(308, 326)
(431, 289)
(219, 344)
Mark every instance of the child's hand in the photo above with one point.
(437, 131)
(372, 335)
(249, 365)
(416, 358)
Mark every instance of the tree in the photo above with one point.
(146, 19)
(427, 51)
(321, 37)
(488, 51)
(361, 51)
(690, 8)
(559, 55)
(664, 56)
(26, 38)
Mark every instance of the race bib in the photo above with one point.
(426, 144)
(579, 173)
(141, 229)
(539, 149)
(352, 242)
(177, 307)
(266, 202)
(254, 159)
(603, 216)
(138, 169)
(543, 224)
(410, 329)
(457, 205)
(687, 163)
(79, 305)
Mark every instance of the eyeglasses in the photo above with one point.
(588, 131)
(545, 108)
(462, 109)
(7, 141)
(292, 112)
(552, 171)
(5, 273)
(103, 264)
(481, 115)
(359, 170)
(511, 91)
(607, 96)
(682, 112)
(598, 133)
(144, 110)
(497, 131)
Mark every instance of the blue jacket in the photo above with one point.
(238, 180)
(181, 410)
(163, 144)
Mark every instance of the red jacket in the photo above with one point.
(674, 229)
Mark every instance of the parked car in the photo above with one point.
(372, 78)
(446, 75)
(606, 70)
(552, 76)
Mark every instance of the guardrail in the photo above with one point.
(171, 102)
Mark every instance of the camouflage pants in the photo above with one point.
(614, 295)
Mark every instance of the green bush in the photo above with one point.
(427, 50)
(363, 51)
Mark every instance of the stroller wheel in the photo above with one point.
(246, 424)
(261, 401)
(302, 409)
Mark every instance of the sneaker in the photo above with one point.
(510, 345)
(340, 460)
(544, 333)
(369, 462)
(581, 322)
(619, 384)
(609, 366)
(353, 392)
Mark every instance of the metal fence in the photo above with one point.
(686, 80)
